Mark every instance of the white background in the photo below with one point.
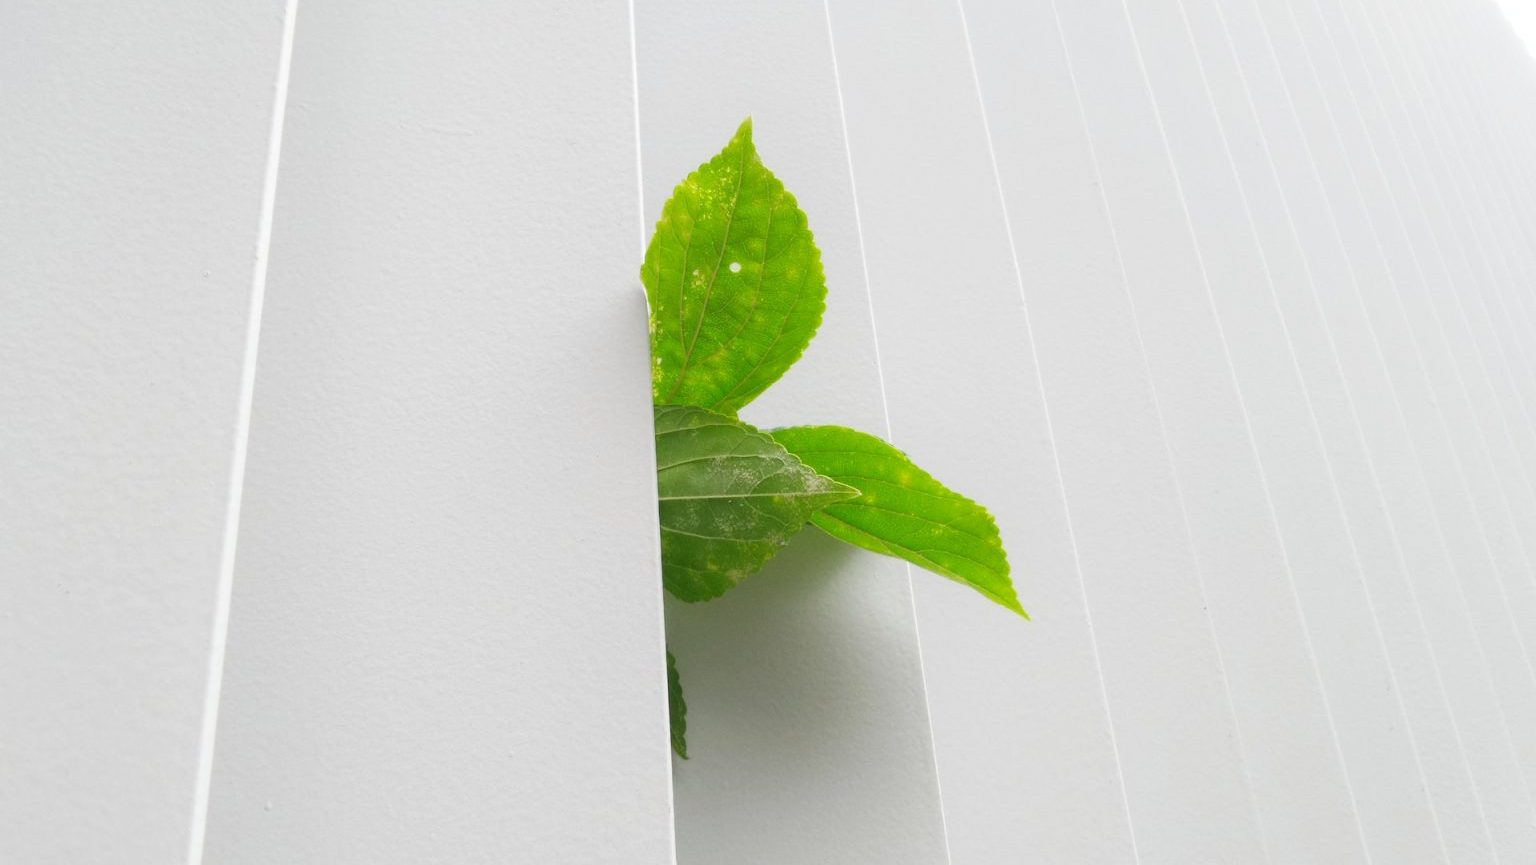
(1222, 306)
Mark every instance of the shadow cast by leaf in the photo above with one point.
(745, 694)
(736, 293)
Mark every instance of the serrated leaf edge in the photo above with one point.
(677, 713)
(993, 538)
(817, 271)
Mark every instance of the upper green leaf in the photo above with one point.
(734, 280)
(731, 497)
(677, 708)
(902, 511)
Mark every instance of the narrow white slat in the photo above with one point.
(133, 164)
(1498, 472)
(1451, 304)
(1469, 346)
(1444, 422)
(1281, 213)
(1339, 244)
(1486, 465)
(1487, 264)
(808, 727)
(1185, 782)
(1484, 97)
(1475, 136)
(1458, 86)
(1489, 96)
(1249, 579)
(1446, 125)
(1493, 87)
(1025, 752)
(446, 639)
(1376, 742)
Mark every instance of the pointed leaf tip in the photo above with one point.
(735, 283)
(903, 511)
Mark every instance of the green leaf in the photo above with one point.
(677, 708)
(902, 511)
(731, 497)
(735, 283)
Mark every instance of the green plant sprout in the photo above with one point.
(736, 293)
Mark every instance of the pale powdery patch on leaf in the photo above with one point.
(736, 292)
(730, 498)
(735, 283)
(903, 511)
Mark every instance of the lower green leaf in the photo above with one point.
(677, 709)
(730, 498)
(903, 511)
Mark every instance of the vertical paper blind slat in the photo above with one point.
(130, 202)
(446, 642)
(808, 726)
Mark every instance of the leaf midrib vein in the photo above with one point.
(709, 290)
